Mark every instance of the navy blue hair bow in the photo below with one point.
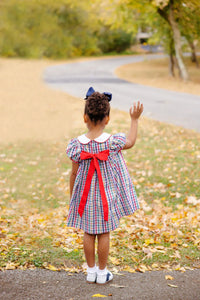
(91, 91)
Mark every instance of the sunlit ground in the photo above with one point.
(34, 189)
(155, 73)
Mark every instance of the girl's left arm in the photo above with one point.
(73, 176)
(135, 113)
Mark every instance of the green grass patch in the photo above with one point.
(34, 198)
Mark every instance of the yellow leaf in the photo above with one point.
(40, 220)
(118, 286)
(99, 296)
(149, 241)
(197, 242)
(142, 268)
(172, 285)
(114, 261)
(129, 269)
(159, 247)
(168, 277)
(135, 259)
(10, 266)
(52, 268)
(174, 245)
(79, 240)
(182, 269)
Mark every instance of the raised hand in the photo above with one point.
(136, 110)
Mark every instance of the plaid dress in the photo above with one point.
(119, 189)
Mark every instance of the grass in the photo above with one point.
(26, 167)
(155, 73)
(34, 195)
(34, 184)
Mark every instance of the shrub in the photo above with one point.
(114, 40)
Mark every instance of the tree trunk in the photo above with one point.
(177, 44)
(171, 65)
(171, 58)
(193, 53)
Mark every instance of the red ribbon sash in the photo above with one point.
(94, 165)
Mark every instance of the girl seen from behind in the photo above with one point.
(101, 189)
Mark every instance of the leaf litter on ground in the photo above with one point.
(163, 234)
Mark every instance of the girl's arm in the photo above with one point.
(135, 113)
(73, 176)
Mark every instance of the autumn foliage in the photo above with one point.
(163, 234)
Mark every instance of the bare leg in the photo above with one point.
(89, 248)
(103, 249)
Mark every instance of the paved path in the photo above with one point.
(42, 284)
(172, 107)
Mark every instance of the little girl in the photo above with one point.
(101, 189)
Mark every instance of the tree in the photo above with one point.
(169, 10)
(163, 33)
(174, 12)
(46, 28)
(189, 22)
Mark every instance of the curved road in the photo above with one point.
(172, 107)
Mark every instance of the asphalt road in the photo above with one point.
(42, 284)
(172, 107)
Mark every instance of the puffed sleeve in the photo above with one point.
(74, 150)
(118, 141)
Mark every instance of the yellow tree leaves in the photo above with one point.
(160, 3)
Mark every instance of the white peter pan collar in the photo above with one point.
(83, 139)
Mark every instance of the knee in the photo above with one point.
(90, 236)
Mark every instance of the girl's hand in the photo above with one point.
(136, 110)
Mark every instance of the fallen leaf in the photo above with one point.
(168, 277)
(192, 200)
(148, 252)
(149, 241)
(182, 269)
(52, 268)
(118, 286)
(129, 269)
(154, 266)
(172, 285)
(10, 266)
(115, 261)
(99, 296)
(142, 268)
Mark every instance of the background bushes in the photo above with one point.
(55, 29)
(114, 40)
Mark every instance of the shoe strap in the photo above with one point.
(108, 276)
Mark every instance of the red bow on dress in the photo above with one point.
(94, 165)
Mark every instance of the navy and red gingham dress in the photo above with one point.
(118, 187)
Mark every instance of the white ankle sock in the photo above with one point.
(102, 272)
(91, 270)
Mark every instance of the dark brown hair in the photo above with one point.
(97, 107)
